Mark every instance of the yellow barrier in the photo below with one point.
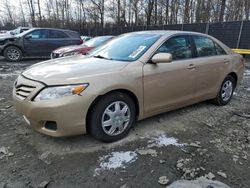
(242, 51)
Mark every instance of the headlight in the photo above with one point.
(60, 91)
(69, 54)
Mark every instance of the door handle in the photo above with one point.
(191, 67)
(226, 62)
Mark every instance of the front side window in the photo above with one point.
(38, 34)
(204, 46)
(179, 47)
(128, 47)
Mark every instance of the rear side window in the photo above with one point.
(179, 47)
(207, 47)
(219, 50)
(73, 34)
(38, 34)
(57, 34)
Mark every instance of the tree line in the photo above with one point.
(81, 14)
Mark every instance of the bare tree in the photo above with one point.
(222, 10)
(186, 11)
(79, 14)
(100, 7)
(32, 12)
(149, 11)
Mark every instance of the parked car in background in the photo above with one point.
(133, 76)
(80, 49)
(85, 38)
(36, 42)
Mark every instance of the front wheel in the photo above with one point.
(226, 91)
(13, 54)
(112, 117)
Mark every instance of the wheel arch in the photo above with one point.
(98, 98)
(235, 76)
(8, 45)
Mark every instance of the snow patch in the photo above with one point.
(116, 160)
(247, 73)
(162, 140)
(235, 94)
(6, 75)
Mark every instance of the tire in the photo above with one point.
(112, 117)
(224, 96)
(13, 54)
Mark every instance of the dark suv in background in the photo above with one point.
(36, 42)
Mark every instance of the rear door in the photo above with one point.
(58, 38)
(169, 84)
(211, 64)
(35, 43)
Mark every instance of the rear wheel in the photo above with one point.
(112, 117)
(12, 53)
(226, 91)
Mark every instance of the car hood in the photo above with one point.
(71, 48)
(6, 36)
(71, 69)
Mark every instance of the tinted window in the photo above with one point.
(57, 34)
(38, 34)
(128, 47)
(179, 47)
(204, 46)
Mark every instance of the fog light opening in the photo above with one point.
(51, 125)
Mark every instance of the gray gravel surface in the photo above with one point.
(201, 140)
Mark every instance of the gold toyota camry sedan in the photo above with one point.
(133, 76)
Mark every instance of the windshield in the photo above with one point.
(128, 47)
(96, 41)
(23, 33)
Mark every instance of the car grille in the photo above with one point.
(54, 55)
(23, 91)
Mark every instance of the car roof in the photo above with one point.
(167, 32)
(35, 28)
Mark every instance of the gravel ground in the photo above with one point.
(201, 140)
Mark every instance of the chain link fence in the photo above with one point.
(234, 34)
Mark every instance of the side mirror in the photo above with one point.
(162, 58)
(28, 37)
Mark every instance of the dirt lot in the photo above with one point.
(199, 140)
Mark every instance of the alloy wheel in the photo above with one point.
(13, 54)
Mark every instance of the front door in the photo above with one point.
(36, 43)
(168, 84)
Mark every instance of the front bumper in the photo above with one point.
(69, 113)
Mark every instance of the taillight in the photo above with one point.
(242, 60)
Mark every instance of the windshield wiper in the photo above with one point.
(101, 57)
